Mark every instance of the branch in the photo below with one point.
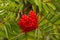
(27, 8)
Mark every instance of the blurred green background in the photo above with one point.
(48, 14)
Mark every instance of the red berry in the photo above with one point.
(28, 23)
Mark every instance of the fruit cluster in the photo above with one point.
(28, 22)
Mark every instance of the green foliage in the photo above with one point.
(48, 26)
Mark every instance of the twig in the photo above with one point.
(27, 8)
(24, 10)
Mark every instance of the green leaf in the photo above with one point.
(55, 18)
(43, 22)
(2, 33)
(46, 8)
(31, 34)
(34, 7)
(52, 6)
(39, 4)
(57, 22)
(52, 11)
(49, 16)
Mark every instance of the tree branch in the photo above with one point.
(27, 8)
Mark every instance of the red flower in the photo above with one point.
(28, 23)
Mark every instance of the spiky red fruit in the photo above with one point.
(28, 23)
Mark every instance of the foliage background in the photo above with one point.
(48, 13)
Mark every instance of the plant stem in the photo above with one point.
(26, 36)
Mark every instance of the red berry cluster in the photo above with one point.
(28, 23)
